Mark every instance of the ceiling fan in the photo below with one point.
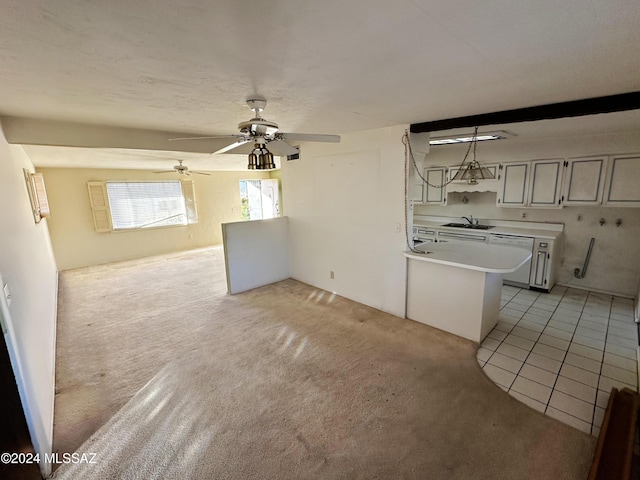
(182, 170)
(265, 138)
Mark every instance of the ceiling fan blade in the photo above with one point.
(205, 138)
(165, 171)
(233, 146)
(309, 137)
(281, 148)
(200, 173)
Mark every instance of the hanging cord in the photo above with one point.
(408, 153)
(407, 150)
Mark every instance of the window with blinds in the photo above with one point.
(136, 205)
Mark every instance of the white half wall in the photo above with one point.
(256, 253)
(28, 267)
(345, 204)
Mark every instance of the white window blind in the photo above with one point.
(146, 204)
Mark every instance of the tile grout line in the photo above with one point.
(534, 342)
(584, 306)
(591, 426)
(553, 389)
(606, 334)
(509, 333)
(531, 349)
(604, 352)
(502, 341)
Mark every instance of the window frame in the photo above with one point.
(101, 206)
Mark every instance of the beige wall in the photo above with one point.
(28, 268)
(345, 204)
(76, 243)
(615, 262)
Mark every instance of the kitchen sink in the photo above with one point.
(468, 225)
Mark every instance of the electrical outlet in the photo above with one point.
(331, 274)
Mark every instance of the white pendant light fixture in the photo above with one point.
(473, 171)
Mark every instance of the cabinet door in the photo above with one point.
(539, 272)
(546, 183)
(415, 183)
(416, 191)
(435, 192)
(543, 264)
(513, 188)
(584, 181)
(623, 187)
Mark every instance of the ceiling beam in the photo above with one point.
(31, 131)
(576, 108)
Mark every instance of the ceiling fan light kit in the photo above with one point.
(261, 159)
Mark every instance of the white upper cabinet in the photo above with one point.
(584, 181)
(623, 184)
(546, 183)
(416, 192)
(416, 189)
(513, 184)
(415, 185)
(435, 191)
(535, 184)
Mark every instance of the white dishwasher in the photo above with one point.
(519, 278)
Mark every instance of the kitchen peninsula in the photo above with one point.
(473, 273)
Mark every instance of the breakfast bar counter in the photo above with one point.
(456, 288)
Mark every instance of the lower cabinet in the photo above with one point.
(542, 265)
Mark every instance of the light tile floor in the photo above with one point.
(562, 352)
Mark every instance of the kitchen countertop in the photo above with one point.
(472, 256)
(553, 231)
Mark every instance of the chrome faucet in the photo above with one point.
(471, 220)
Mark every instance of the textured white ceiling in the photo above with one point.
(325, 67)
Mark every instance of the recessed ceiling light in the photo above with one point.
(468, 137)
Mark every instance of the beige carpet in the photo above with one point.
(283, 382)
